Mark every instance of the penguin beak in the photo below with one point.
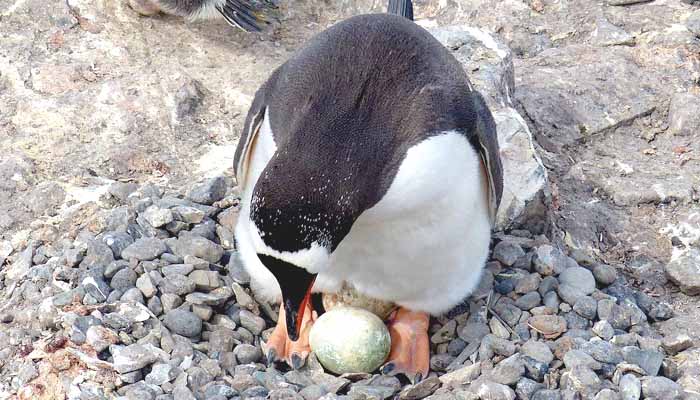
(295, 302)
(296, 284)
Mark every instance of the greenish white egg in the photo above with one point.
(349, 339)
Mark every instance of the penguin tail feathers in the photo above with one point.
(403, 8)
(248, 15)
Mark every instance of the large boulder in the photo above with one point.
(489, 65)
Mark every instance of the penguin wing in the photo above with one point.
(247, 15)
(486, 144)
(248, 140)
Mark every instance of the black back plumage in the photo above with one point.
(344, 110)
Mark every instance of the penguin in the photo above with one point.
(367, 160)
(247, 15)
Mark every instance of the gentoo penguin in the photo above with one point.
(367, 160)
(248, 15)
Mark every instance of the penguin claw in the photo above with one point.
(271, 357)
(297, 361)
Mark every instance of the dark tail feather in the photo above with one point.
(250, 16)
(403, 8)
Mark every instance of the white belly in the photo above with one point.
(423, 246)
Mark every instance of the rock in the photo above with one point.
(491, 66)
(160, 374)
(581, 379)
(683, 118)
(203, 312)
(96, 287)
(573, 358)
(157, 216)
(693, 22)
(604, 274)
(607, 34)
(209, 191)
(180, 392)
(507, 252)
(616, 315)
(657, 387)
(575, 282)
(145, 285)
(20, 266)
(45, 198)
(603, 352)
(492, 344)
(461, 376)
(198, 246)
(538, 351)
(133, 357)
(122, 190)
(630, 387)
(528, 301)
(247, 354)
(445, 334)
(684, 269)
(549, 260)
(626, 2)
(420, 390)
(170, 301)
(546, 394)
(189, 215)
(586, 307)
(205, 280)
(183, 323)
(124, 279)
(649, 360)
(604, 330)
(676, 343)
(607, 394)
(551, 326)
(100, 338)
(144, 249)
(225, 392)
(216, 297)
(526, 388)
(178, 284)
(653, 309)
(528, 283)
(118, 242)
(179, 269)
(242, 297)
(493, 390)
(508, 371)
(348, 339)
(252, 322)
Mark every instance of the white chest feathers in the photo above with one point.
(422, 246)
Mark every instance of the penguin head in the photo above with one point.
(295, 228)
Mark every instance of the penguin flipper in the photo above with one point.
(486, 144)
(248, 139)
(245, 15)
(403, 8)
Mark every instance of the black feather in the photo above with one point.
(403, 8)
(248, 15)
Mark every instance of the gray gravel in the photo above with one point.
(176, 318)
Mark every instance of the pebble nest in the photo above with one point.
(151, 302)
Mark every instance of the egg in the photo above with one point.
(350, 339)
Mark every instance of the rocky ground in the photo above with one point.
(120, 277)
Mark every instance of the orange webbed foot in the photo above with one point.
(410, 347)
(280, 348)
